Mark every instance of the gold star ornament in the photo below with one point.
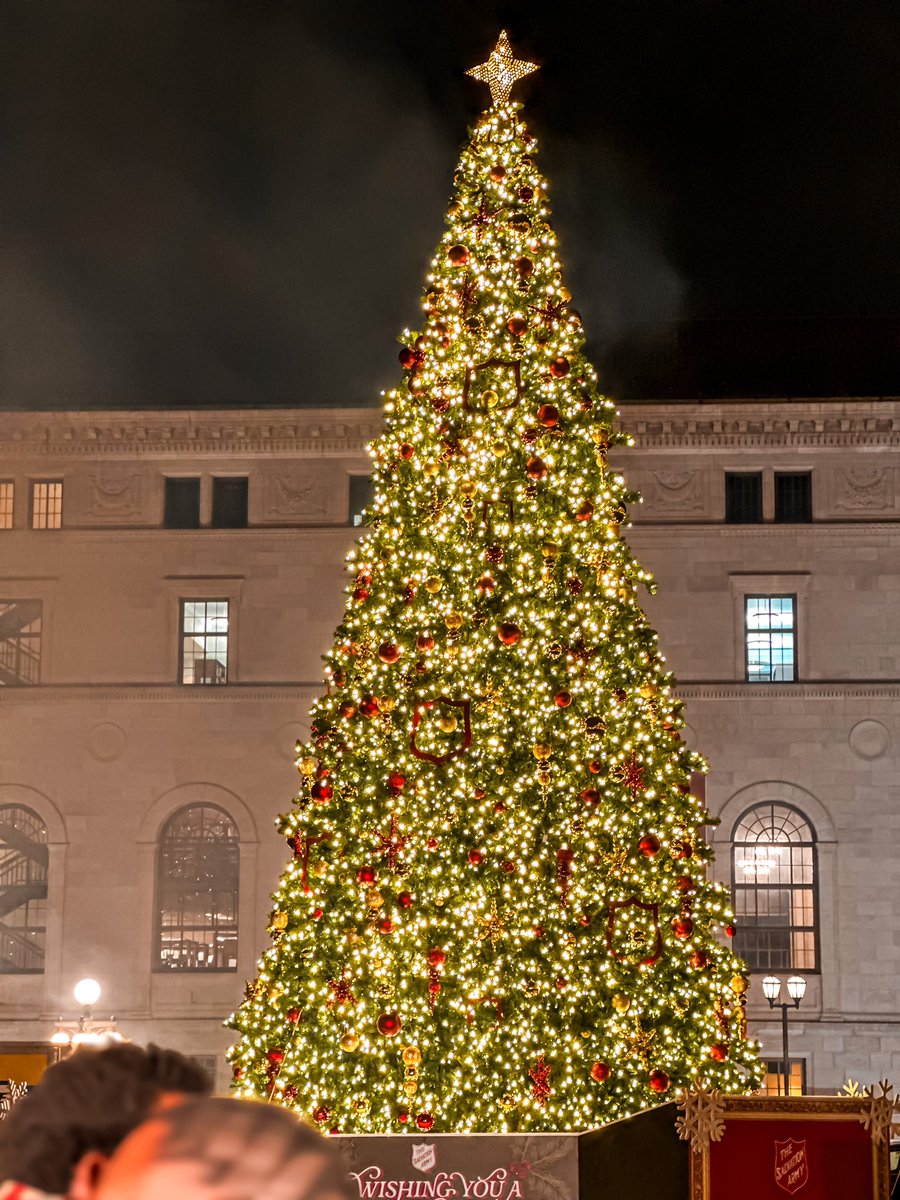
(501, 70)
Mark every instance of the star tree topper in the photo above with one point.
(501, 70)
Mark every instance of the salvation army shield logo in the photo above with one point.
(424, 1156)
(791, 1165)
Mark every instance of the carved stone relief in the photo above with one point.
(300, 494)
(865, 489)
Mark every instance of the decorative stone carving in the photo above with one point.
(297, 494)
(106, 742)
(674, 491)
(866, 489)
(869, 739)
(113, 496)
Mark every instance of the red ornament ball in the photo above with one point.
(649, 845)
(536, 468)
(347, 710)
(368, 706)
(559, 367)
(475, 858)
(594, 767)
(685, 850)
(508, 867)
(365, 875)
(275, 1056)
(388, 1024)
(599, 1072)
(405, 900)
(538, 931)
(589, 796)
(436, 957)
(508, 633)
(386, 925)
(396, 782)
(408, 357)
(237, 1071)
(293, 1015)
(432, 843)
(524, 266)
(562, 699)
(561, 983)
(575, 586)
(517, 326)
(424, 642)
(403, 1115)
(458, 255)
(698, 960)
(684, 883)
(406, 451)
(499, 807)
(494, 554)
(424, 1121)
(718, 1052)
(525, 193)
(730, 931)
(659, 1082)
(530, 436)
(683, 927)
(497, 172)
(479, 793)
(321, 792)
(548, 416)
(360, 593)
(585, 512)
(485, 585)
(318, 914)
(321, 1115)
(389, 652)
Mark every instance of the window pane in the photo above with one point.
(23, 890)
(197, 892)
(229, 508)
(7, 496)
(361, 493)
(743, 498)
(775, 890)
(20, 642)
(46, 505)
(204, 642)
(182, 504)
(770, 639)
(793, 497)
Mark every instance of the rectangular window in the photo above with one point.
(361, 494)
(793, 498)
(182, 506)
(743, 498)
(46, 504)
(204, 641)
(770, 639)
(20, 643)
(773, 1080)
(7, 496)
(229, 503)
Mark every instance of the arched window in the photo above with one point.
(197, 878)
(23, 890)
(775, 889)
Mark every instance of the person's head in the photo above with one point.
(220, 1149)
(83, 1108)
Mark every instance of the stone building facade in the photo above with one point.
(169, 581)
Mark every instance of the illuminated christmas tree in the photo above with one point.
(496, 915)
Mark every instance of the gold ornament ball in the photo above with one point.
(490, 398)
(280, 920)
(543, 778)
(412, 1056)
(453, 621)
(433, 584)
(550, 550)
(386, 704)
(621, 1003)
(499, 448)
(447, 724)
(307, 766)
(612, 530)
(319, 870)
(361, 1104)
(374, 898)
(467, 488)
(565, 295)
(541, 751)
(410, 1087)
(649, 690)
(508, 1102)
(739, 984)
(430, 469)
(350, 1041)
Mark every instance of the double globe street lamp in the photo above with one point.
(85, 1031)
(796, 989)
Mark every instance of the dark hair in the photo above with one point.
(243, 1148)
(89, 1101)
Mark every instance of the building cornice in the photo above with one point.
(837, 423)
(828, 690)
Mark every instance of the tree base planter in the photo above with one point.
(639, 1158)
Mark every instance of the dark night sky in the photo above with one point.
(233, 202)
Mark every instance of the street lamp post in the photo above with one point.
(796, 989)
(85, 1030)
